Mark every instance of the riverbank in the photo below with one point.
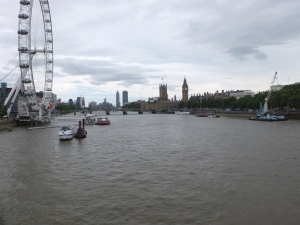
(295, 115)
(228, 114)
(6, 125)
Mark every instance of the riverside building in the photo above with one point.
(117, 100)
(125, 97)
(163, 102)
(241, 93)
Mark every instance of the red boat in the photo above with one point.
(103, 121)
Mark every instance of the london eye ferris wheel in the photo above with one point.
(35, 46)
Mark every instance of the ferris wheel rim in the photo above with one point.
(26, 54)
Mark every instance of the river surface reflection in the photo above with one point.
(153, 169)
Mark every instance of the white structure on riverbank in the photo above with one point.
(241, 93)
(277, 87)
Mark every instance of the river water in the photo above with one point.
(153, 169)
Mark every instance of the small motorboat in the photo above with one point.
(67, 132)
(103, 121)
(182, 113)
(212, 116)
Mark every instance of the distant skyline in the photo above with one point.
(103, 46)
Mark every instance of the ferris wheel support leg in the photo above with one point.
(8, 110)
(19, 85)
(40, 114)
(12, 90)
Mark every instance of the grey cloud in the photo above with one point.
(101, 72)
(174, 88)
(260, 56)
(241, 52)
(76, 82)
(235, 24)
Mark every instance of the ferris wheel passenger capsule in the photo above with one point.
(25, 2)
(23, 16)
(31, 103)
(23, 49)
(23, 66)
(29, 93)
(26, 81)
(23, 32)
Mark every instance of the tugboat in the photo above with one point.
(81, 132)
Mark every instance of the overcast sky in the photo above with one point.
(101, 46)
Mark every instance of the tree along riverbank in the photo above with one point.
(286, 98)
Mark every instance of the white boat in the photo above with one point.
(66, 132)
(182, 113)
(212, 115)
(90, 119)
(185, 113)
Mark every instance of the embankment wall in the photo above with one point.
(6, 124)
(291, 115)
(230, 114)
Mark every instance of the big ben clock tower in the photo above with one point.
(185, 91)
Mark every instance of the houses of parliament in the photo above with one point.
(163, 102)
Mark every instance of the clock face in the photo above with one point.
(185, 89)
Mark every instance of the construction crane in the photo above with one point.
(266, 109)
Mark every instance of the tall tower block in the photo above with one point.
(185, 91)
(117, 100)
(125, 97)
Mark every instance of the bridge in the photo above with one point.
(108, 111)
(139, 111)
